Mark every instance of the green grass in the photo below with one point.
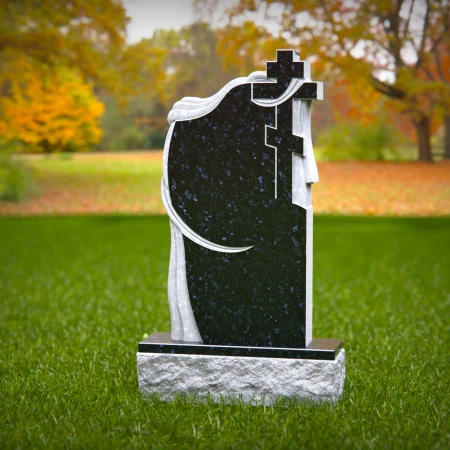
(139, 176)
(78, 293)
(93, 164)
(92, 182)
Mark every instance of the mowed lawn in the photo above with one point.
(129, 183)
(77, 293)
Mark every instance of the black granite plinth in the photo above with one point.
(319, 349)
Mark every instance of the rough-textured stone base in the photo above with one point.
(252, 380)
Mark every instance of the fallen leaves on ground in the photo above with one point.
(383, 188)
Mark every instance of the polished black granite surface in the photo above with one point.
(319, 349)
(231, 187)
(221, 180)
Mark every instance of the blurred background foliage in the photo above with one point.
(70, 82)
(17, 179)
(348, 141)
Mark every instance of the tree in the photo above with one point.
(56, 111)
(244, 48)
(50, 54)
(436, 72)
(192, 66)
(164, 68)
(83, 35)
(386, 43)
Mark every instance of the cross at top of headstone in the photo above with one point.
(285, 68)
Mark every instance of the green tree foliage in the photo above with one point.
(346, 141)
(170, 65)
(192, 65)
(17, 180)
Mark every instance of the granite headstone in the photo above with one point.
(237, 174)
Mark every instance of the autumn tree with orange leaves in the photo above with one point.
(39, 41)
(51, 53)
(54, 112)
(84, 35)
(387, 44)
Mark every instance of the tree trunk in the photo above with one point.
(447, 137)
(423, 137)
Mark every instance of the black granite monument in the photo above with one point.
(238, 170)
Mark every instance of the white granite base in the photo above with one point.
(257, 381)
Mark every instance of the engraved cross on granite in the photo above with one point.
(281, 137)
(237, 175)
